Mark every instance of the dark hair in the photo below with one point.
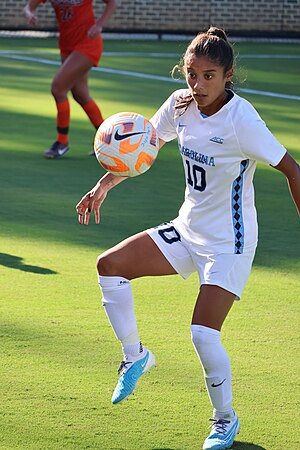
(213, 44)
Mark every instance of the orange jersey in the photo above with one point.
(74, 19)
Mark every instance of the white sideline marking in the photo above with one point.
(261, 56)
(158, 55)
(146, 36)
(141, 75)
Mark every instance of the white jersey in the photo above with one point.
(219, 155)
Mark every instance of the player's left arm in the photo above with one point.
(291, 169)
(96, 29)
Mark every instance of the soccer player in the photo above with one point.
(80, 43)
(220, 137)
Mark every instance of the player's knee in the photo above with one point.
(78, 97)
(204, 338)
(57, 90)
(106, 265)
(197, 339)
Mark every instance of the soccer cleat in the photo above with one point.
(223, 432)
(131, 372)
(56, 150)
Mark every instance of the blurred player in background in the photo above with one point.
(80, 44)
(220, 137)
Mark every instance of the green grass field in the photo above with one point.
(58, 354)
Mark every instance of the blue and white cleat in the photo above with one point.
(131, 372)
(223, 432)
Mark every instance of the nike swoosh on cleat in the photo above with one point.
(120, 137)
(216, 385)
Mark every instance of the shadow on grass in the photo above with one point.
(236, 446)
(247, 446)
(15, 262)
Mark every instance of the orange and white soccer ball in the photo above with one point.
(126, 144)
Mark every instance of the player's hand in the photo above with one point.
(95, 197)
(94, 31)
(30, 17)
(90, 202)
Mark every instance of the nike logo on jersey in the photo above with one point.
(181, 125)
(216, 385)
(120, 137)
(217, 140)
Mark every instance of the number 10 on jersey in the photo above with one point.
(196, 176)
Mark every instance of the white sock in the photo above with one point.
(132, 347)
(117, 300)
(230, 414)
(216, 367)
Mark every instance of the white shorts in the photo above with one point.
(229, 271)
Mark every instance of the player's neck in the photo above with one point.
(217, 104)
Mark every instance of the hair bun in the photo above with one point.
(214, 31)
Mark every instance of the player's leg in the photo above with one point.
(81, 95)
(135, 257)
(159, 251)
(150, 253)
(223, 278)
(73, 68)
(212, 306)
(80, 91)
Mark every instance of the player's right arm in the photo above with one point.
(29, 11)
(96, 29)
(93, 199)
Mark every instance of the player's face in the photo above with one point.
(206, 81)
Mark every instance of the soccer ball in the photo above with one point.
(126, 144)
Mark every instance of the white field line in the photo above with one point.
(146, 36)
(157, 55)
(141, 75)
